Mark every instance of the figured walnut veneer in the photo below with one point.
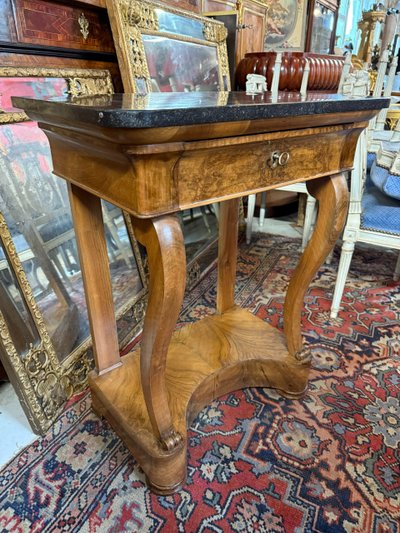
(171, 174)
(205, 360)
(150, 397)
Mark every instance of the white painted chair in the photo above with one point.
(296, 187)
(374, 217)
(309, 216)
(376, 130)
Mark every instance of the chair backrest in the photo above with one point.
(356, 83)
(387, 91)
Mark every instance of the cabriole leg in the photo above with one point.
(332, 194)
(164, 243)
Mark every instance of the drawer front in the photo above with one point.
(234, 170)
(49, 24)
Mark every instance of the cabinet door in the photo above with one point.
(251, 36)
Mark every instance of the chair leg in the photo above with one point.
(396, 275)
(251, 204)
(205, 219)
(343, 270)
(216, 210)
(309, 220)
(263, 208)
(329, 258)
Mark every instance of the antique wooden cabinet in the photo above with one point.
(251, 16)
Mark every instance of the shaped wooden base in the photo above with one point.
(207, 359)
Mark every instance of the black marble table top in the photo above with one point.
(180, 109)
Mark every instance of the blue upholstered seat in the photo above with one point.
(371, 157)
(380, 212)
(386, 182)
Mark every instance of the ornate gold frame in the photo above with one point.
(130, 19)
(81, 82)
(42, 382)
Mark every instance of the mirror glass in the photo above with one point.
(200, 229)
(169, 22)
(323, 23)
(36, 208)
(18, 319)
(177, 66)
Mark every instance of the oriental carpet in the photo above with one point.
(257, 462)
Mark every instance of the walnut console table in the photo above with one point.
(154, 156)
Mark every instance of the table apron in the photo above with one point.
(158, 179)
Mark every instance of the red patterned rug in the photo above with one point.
(257, 461)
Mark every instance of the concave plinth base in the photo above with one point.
(207, 359)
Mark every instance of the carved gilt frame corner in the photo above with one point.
(131, 19)
(42, 382)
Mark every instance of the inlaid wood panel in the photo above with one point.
(48, 24)
(249, 165)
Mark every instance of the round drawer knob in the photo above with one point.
(280, 159)
(284, 159)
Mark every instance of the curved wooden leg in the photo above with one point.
(163, 240)
(332, 194)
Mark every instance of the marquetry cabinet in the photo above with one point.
(41, 23)
(251, 16)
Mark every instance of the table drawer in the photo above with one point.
(225, 171)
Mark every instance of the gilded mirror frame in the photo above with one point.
(132, 19)
(42, 382)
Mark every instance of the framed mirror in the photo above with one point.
(322, 24)
(45, 343)
(163, 49)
